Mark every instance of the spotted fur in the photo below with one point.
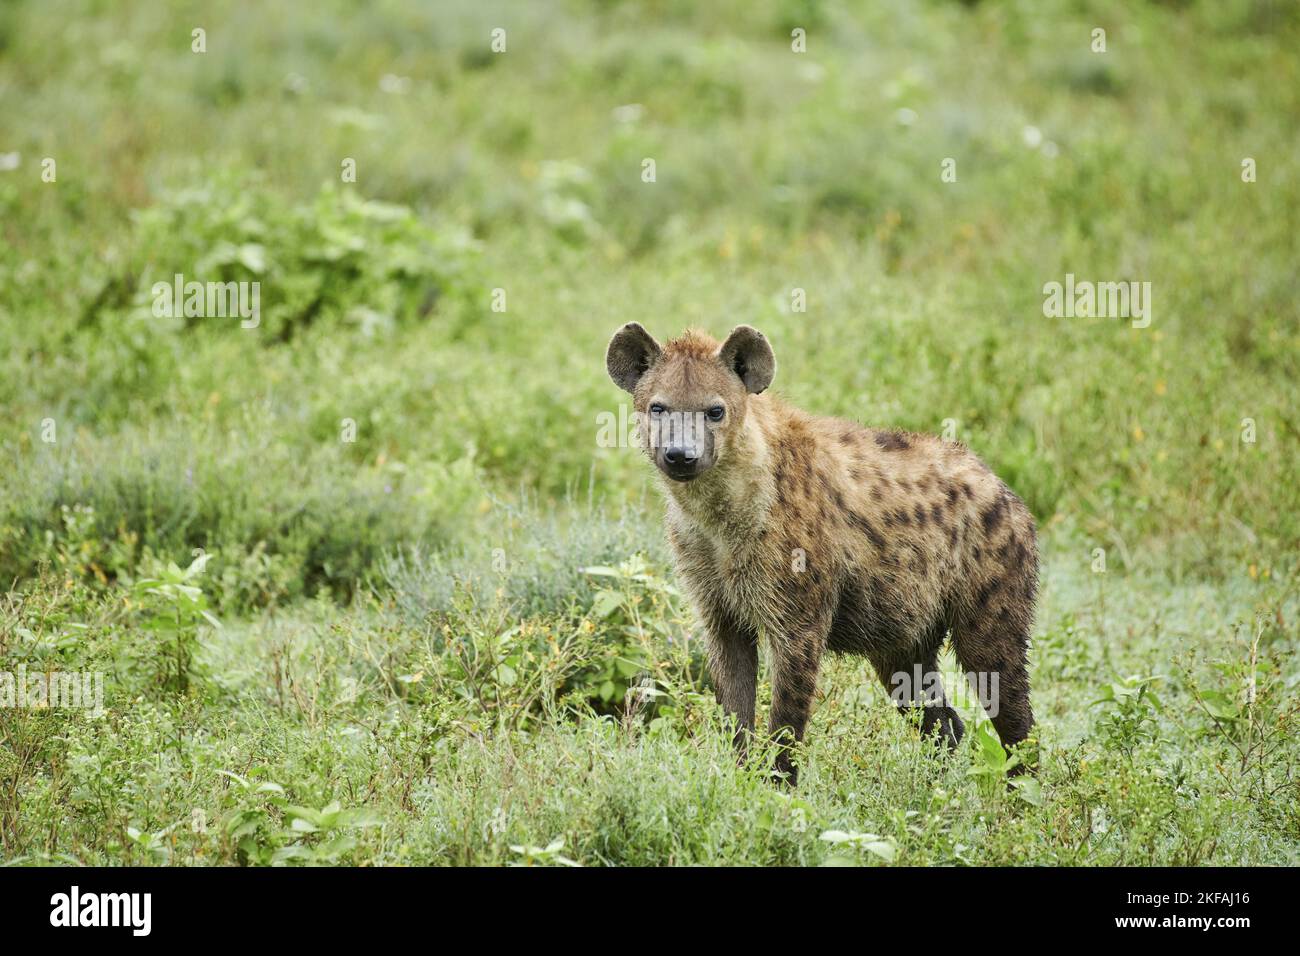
(818, 534)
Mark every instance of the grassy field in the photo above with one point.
(362, 583)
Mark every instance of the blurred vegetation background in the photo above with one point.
(476, 430)
(522, 171)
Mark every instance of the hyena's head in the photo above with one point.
(691, 394)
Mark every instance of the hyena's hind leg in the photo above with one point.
(991, 641)
(913, 683)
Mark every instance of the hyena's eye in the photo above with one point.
(716, 412)
(656, 409)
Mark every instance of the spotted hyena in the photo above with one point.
(819, 534)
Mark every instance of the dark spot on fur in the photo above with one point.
(892, 441)
(920, 515)
(992, 517)
(866, 527)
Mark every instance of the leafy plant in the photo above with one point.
(634, 607)
(314, 836)
(250, 827)
(1250, 712)
(325, 835)
(548, 855)
(154, 845)
(339, 259)
(880, 847)
(173, 607)
(991, 760)
(1129, 707)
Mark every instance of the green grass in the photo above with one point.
(407, 628)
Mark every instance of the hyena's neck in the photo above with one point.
(733, 500)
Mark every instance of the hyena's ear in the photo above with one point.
(747, 353)
(631, 352)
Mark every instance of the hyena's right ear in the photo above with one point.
(631, 352)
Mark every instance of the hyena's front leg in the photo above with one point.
(733, 665)
(795, 661)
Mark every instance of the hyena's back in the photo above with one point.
(934, 543)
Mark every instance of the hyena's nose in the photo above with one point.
(679, 456)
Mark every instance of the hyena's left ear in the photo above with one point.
(747, 353)
(631, 352)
